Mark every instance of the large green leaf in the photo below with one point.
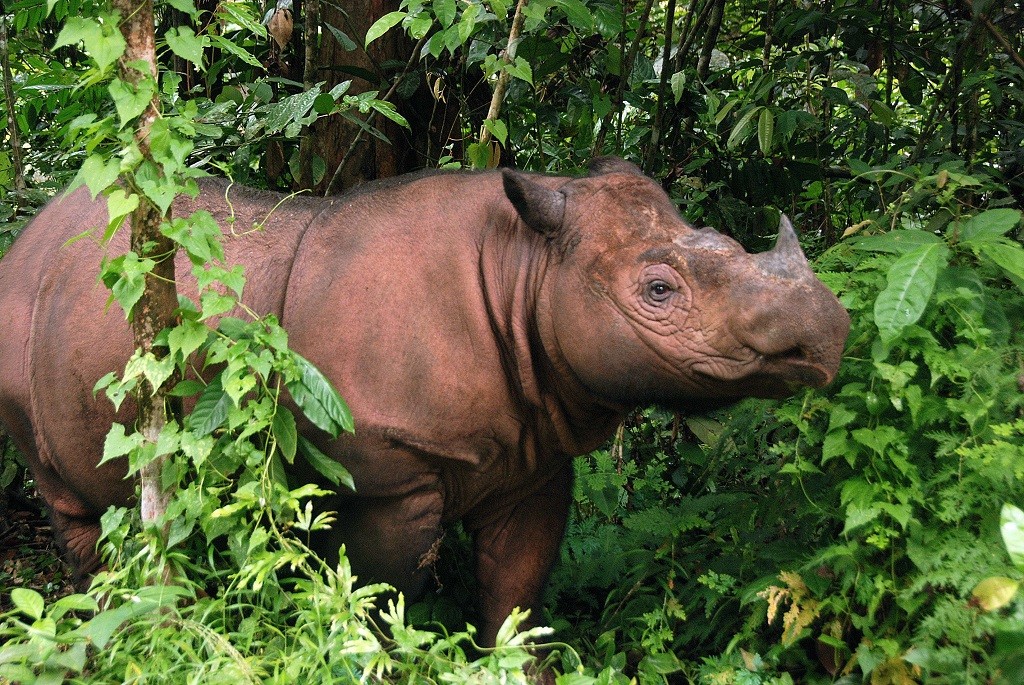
(293, 108)
(211, 408)
(184, 43)
(577, 14)
(444, 10)
(383, 25)
(29, 602)
(896, 242)
(765, 130)
(331, 470)
(285, 432)
(911, 282)
(739, 132)
(990, 225)
(1008, 256)
(1011, 525)
(318, 399)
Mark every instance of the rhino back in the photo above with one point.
(63, 338)
(386, 297)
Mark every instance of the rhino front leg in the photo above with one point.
(515, 553)
(388, 538)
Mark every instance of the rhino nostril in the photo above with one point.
(794, 354)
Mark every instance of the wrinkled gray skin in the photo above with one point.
(484, 328)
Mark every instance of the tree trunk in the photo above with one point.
(12, 122)
(370, 158)
(494, 111)
(155, 310)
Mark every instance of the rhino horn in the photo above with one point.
(786, 258)
(541, 208)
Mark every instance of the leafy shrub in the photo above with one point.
(844, 530)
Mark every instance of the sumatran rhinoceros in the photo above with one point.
(485, 328)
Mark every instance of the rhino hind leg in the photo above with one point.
(78, 536)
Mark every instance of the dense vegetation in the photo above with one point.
(866, 532)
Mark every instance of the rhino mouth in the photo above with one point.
(796, 370)
(772, 376)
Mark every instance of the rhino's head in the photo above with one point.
(643, 308)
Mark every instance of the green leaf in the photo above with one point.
(739, 131)
(344, 41)
(1009, 258)
(160, 189)
(130, 274)
(186, 6)
(187, 337)
(239, 52)
(103, 41)
(444, 10)
(896, 242)
(498, 129)
(131, 101)
(911, 281)
(29, 602)
(521, 70)
(291, 109)
(323, 104)
(119, 205)
(119, 443)
(318, 399)
(184, 43)
(989, 225)
(678, 82)
(1011, 525)
(211, 408)
(662, 664)
(331, 470)
(765, 130)
(383, 25)
(479, 155)
(285, 432)
(97, 174)
(857, 517)
(577, 14)
(724, 112)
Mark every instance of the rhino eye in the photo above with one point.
(658, 291)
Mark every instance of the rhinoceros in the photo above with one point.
(485, 328)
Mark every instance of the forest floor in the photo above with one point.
(29, 555)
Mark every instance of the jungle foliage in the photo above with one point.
(867, 532)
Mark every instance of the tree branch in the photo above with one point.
(12, 121)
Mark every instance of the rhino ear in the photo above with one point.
(613, 165)
(542, 209)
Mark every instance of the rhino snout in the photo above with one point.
(799, 335)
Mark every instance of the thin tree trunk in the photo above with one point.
(494, 111)
(769, 31)
(155, 309)
(659, 116)
(625, 69)
(311, 22)
(12, 121)
(687, 32)
(710, 39)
